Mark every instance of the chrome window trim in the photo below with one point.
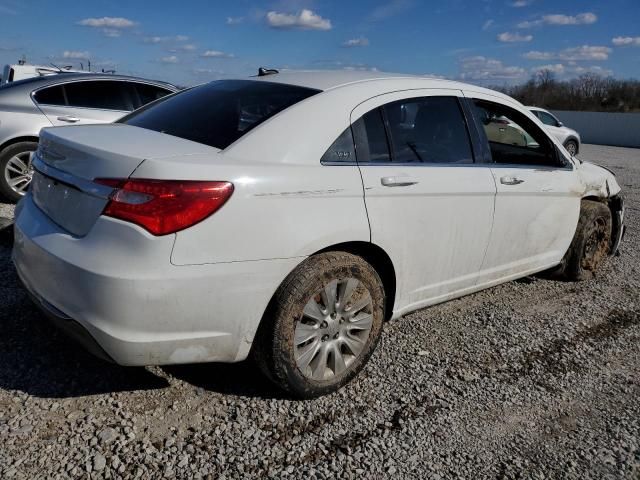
(454, 165)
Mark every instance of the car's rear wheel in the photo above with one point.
(591, 242)
(572, 147)
(322, 326)
(17, 171)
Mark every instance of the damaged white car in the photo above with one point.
(289, 215)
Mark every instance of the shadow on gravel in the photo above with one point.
(243, 379)
(37, 359)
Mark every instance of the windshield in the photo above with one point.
(218, 113)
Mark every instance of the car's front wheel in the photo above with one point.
(591, 243)
(572, 147)
(322, 326)
(15, 164)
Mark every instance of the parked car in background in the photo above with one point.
(27, 106)
(289, 215)
(568, 137)
(22, 71)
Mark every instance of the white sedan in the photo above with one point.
(289, 215)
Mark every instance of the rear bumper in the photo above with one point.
(116, 291)
(69, 326)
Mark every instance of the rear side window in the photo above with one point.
(100, 94)
(342, 150)
(428, 130)
(149, 93)
(415, 130)
(371, 138)
(50, 96)
(219, 113)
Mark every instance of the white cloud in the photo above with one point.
(76, 54)
(389, 9)
(435, 76)
(583, 53)
(107, 22)
(587, 18)
(169, 59)
(570, 70)
(605, 72)
(109, 26)
(187, 47)
(158, 39)
(487, 25)
(488, 69)
(234, 20)
(556, 68)
(216, 54)
(305, 20)
(508, 37)
(626, 41)
(521, 3)
(357, 42)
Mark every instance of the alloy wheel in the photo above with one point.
(18, 172)
(333, 329)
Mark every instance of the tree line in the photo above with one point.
(588, 92)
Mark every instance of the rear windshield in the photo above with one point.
(218, 113)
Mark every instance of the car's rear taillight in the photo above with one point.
(164, 206)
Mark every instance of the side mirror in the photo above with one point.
(560, 124)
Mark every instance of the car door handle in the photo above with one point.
(399, 181)
(68, 118)
(510, 181)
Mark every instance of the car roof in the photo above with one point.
(538, 109)
(332, 79)
(29, 84)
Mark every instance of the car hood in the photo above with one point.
(598, 181)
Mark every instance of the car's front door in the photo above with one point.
(538, 200)
(85, 101)
(429, 206)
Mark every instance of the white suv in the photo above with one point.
(569, 138)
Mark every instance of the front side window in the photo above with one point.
(99, 94)
(514, 138)
(218, 113)
(548, 119)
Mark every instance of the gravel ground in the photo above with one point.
(532, 379)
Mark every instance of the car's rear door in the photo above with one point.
(85, 101)
(538, 199)
(429, 205)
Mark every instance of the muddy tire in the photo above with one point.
(590, 244)
(16, 170)
(322, 325)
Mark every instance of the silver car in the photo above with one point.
(26, 106)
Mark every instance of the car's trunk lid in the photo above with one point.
(69, 159)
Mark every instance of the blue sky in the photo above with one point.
(480, 41)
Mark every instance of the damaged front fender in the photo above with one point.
(600, 182)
